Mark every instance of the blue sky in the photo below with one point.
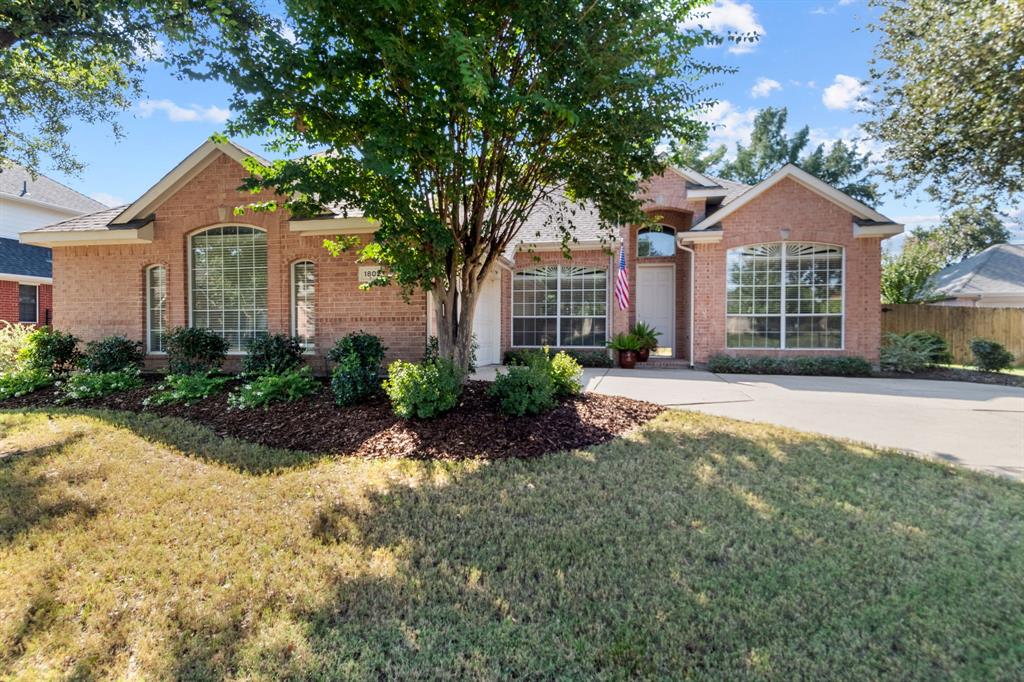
(810, 58)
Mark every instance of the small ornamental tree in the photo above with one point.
(448, 122)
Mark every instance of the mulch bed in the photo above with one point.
(473, 429)
(954, 374)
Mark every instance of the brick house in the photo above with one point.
(788, 266)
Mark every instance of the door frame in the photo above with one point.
(675, 300)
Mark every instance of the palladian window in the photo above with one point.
(785, 295)
(560, 306)
(652, 243)
(229, 283)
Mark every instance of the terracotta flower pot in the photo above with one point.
(643, 355)
(627, 359)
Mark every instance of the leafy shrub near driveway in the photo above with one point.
(586, 358)
(356, 374)
(50, 350)
(524, 390)
(940, 354)
(13, 337)
(908, 353)
(191, 350)
(23, 382)
(288, 386)
(423, 390)
(563, 370)
(271, 354)
(186, 388)
(111, 354)
(836, 366)
(88, 385)
(990, 356)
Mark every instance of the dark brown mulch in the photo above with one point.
(474, 429)
(956, 374)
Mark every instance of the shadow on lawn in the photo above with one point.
(686, 551)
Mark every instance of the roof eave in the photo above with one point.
(337, 225)
(109, 237)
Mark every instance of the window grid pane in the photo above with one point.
(560, 306)
(28, 303)
(156, 297)
(304, 312)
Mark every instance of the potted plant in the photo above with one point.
(648, 337)
(628, 347)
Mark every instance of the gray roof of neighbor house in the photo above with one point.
(998, 269)
(16, 181)
(21, 259)
(97, 220)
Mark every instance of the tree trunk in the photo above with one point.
(455, 308)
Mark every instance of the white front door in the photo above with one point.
(487, 321)
(656, 303)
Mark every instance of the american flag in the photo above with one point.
(622, 281)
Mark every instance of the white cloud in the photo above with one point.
(764, 87)
(180, 114)
(819, 10)
(108, 199)
(729, 124)
(846, 2)
(728, 16)
(843, 92)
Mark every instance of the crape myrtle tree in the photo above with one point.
(447, 122)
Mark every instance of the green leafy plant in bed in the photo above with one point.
(271, 354)
(990, 356)
(826, 365)
(524, 390)
(288, 386)
(192, 350)
(51, 351)
(356, 374)
(424, 390)
(111, 354)
(91, 385)
(186, 388)
(17, 384)
(909, 353)
(13, 337)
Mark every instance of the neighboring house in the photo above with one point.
(788, 266)
(25, 271)
(993, 278)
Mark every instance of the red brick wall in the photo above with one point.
(809, 217)
(99, 290)
(9, 311)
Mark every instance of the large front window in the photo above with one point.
(229, 283)
(785, 295)
(560, 305)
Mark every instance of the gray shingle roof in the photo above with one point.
(542, 227)
(998, 269)
(23, 259)
(16, 181)
(98, 220)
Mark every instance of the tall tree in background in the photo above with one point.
(770, 148)
(845, 168)
(448, 122)
(695, 152)
(949, 95)
(68, 60)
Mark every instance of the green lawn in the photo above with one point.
(698, 547)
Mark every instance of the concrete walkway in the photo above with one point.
(975, 425)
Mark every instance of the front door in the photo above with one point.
(656, 303)
(487, 321)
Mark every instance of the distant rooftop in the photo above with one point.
(998, 269)
(16, 181)
(25, 260)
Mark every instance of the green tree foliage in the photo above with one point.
(448, 122)
(949, 95)
(695, 152)
(846, 169)
(906, 276)
(73, 60)
(769, 148)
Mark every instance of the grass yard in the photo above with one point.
(141, 547)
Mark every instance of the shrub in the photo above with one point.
(90, 385)
(186, 388)
(431, 352)
(357, 373)
(111, 354)
(423, 390)
(825, 365)
(990, 356)
(13, 337)
(565, 375)
(940, 354)
(272, 354)
(50, 350)
(288, 386)
(625, 342)
(647, 334)
(192, 350)
(523, 390)
(908, 353)
(586, 358)
(23, 382)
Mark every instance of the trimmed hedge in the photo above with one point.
(834, 366)
(423, 390)
(112, 354)
(272, 354)
(586, 358)
(990, 356)
(523, 390)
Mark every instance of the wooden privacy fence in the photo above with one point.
(958, 325)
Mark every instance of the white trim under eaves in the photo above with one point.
(43, 204)
(812, 183)
(25, 279)
(333, 226)
(705, 237)
(883, 230)
(54, 239)
(709, 193)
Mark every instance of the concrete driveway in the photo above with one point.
(974, 425)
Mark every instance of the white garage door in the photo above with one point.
(487, 322)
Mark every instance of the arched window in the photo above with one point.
(156, 308)
(229, 283)
(304, 303)
(651, 243)
(785, 295)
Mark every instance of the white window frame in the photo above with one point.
(149, 310)
(307, 349)
(782, 301)
(36, 287)
(558, 307)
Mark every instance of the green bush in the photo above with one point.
(13, 337)
(940, 354)
(423, 390)
(431, 352)
(565, 373)
(586, 358)
(990, 356)
(186, 388)
(523, 390)
(111, 354)
(288, 387)
(90, 385)
(23, 382)
(825, 365)
(192, 350)
(271, 354)
(356, 374)
(909, 353)
(50, 350)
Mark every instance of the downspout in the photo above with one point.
(693, 263)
